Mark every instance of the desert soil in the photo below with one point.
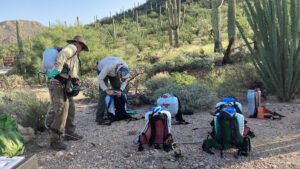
(276, 145)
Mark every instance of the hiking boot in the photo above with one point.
(58, 146)
(73, 137)
(104, 122)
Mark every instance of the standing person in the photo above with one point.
(65, 71)
(116, 71)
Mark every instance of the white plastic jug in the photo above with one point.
(169, 103)
(251, 103)
(49, 58)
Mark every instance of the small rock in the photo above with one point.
(201, 164)
(42, 144)
(59, 154)
(71, 153)
(195, 166)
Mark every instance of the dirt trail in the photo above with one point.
(276, 145)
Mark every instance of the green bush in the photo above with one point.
(182, 78)
(25, 107)
(193, 97)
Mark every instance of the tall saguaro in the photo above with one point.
(175, 18)
(20, 56)
(215, 20)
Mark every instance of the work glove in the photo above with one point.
(53, 73)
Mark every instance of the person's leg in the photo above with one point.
(60, 109)
(115, 82)
(70, 124)
(101, 104)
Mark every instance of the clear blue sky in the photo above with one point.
(45, 11)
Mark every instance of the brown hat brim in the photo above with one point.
(85, 47)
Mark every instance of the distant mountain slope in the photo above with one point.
(28, 29)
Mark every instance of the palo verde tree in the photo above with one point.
(275, 25)
(230, 29)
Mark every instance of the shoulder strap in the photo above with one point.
(153, 129)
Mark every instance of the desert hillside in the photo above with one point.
(8, 30)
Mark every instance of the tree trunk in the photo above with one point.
(226, 58)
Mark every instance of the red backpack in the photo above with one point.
(157, 130)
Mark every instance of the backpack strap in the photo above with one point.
(233, 131)
(153, 129)
(219, 136)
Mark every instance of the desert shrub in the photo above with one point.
(236, 79)
(90, 87)
(162, 80)
(25, 107)
(193, 97)
(11, 82)
(181, 63)
(158, 81)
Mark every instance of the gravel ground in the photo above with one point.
(276, 145)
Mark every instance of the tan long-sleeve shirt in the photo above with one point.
(68, 56)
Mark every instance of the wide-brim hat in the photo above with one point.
(79, 39)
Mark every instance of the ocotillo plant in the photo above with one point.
(230, 29)
(20, 57)
(215, 20)
(175, 18)
(275, 24)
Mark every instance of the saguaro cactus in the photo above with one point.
(215, 20)
(275, 24)
(20, 57)
(175, 18)
(230, 29)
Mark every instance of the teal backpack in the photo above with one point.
(11, 142)
(228, 132)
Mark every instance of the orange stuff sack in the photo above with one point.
(260, 112)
